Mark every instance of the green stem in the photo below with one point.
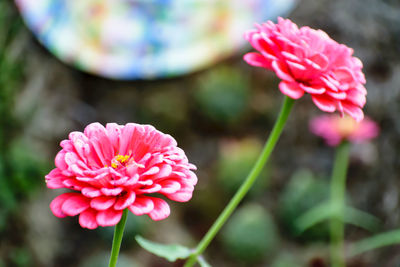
(246, 185)
(338, 196)
(118, 233)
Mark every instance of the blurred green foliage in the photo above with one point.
(285, 260)
(223, 94)
(21, 257)
(235, 162)
(20, 168)
(303, 192)
(250, 234)
(166, 108)
(101, 259)
(135, 225)
(171, 252)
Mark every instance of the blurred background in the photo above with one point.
(220, 110)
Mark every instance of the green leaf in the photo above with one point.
(170, 252)
(325, 211)
(313, 216)
(376, 241)
(361, 219)
(203, 262)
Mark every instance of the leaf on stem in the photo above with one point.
(361, 219)
(376, 241)
(170, 252)
(203, 262)
(325, 211)
(313, 216)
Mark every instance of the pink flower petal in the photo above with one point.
(356, 97)
(102, 203)
(282, 71)
(132, 181)
(335, 129)
(75, 205)
(320, 59)
(165, 171)
(151, 171)
(125, 201)
(292, 90)
(291, 57)
(111, 191)
(108, 217)
(324, 103)
(169, 187)
(129, 132)
(114, 132)
(57, 203)
(317, 90)
(60, 160)
(54, 179)
(80, 144)
(182, 195)
(91, 192)
(353, 111)
(161, 209)
(151, 189)
(87, 219)
(344, 75)
(298, 70)
(257, 60)
(142, 205)
(337, 95)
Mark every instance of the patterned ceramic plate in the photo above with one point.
(143, 39)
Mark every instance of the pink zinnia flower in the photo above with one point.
(335, 129)
(117, 167)
(309, 61)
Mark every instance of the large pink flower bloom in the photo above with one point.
(309, 61)
(335, 129)
(117, 167)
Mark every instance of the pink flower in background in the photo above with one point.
(335, 129)
(116, 167)
(309, 61)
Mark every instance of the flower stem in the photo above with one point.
(246, 185)
(338, 195)
(118, 233)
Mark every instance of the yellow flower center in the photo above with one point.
(346, 126)
(120, 160)
(123, 161)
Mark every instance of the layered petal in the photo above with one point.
(309, 61)
(119, 167)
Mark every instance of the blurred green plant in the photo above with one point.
(305, 208)
(161, 109)
(235, 162)
(21, 257)
(135, 225)
(100, 259)
(250, 235)
(170, 252)
(377, 241)
(286, 260)
(303, 192)
(222, 94)
(325, 211)
(21, 169)
(10, 73)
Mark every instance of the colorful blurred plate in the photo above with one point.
(143, 39)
